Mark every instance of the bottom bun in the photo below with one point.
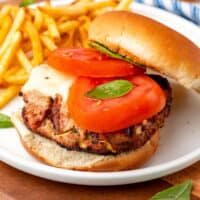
(53, 154)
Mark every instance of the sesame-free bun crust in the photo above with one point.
(149, 43)
(53, 154)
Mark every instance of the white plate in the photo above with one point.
(179, 146)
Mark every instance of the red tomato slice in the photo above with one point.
(91, 63)
(144, 101)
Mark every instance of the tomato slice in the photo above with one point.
(144, 101)
(91, 63)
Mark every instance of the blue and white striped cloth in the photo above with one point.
(190, 11)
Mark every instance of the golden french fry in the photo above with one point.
(68, 26)
(11, 70)
(8, 94)
(13, 11)
(83, 36)
(77, 39)
(100, 4)
(52, 27)
(23, 60)
(38, 19)
(17, 79)
(4, 12)
(71, 10)
(15, 27)
(48, 42)
(35, 42)
(16, 76)
(123, 5)
(6, 24)
(86, 1)
(7, 57)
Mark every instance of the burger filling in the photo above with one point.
(47, 116)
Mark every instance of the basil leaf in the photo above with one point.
(5, 121)
(103, 49)
(177, 192)
(26, 3)
(108, 52)
(110, 90)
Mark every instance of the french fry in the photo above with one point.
(48, 42)
(8, 93)
(15, 27)
(18, 79)
(52, 27)
(35, 42)
(4, 12)
(11, 70)
(38, 19)
(85, 1)
(67, 26)
(71, 11)
(6, 24)
(77, 39)
(7, 57)
(83, 36)
(18, 76)
(100, 4)
(23, 60)
(123, 5)
(13, 11)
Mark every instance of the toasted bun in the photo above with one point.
(51, 153)
(149, 43)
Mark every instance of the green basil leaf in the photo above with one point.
(103, 49)
(110, 90)
(177, 192)
(26, 3)
(5, 121)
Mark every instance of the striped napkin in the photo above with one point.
(190, 11)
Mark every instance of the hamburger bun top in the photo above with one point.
(149, 43)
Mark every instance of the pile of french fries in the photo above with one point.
(27, 35)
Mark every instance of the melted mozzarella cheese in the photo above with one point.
(49, 82)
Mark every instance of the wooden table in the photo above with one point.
(16, 185)
(19, 186)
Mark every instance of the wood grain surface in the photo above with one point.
(16, 185)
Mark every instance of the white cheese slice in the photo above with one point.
(49, 82)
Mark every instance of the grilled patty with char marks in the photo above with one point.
(48, 117)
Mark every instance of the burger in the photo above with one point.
(97, 109)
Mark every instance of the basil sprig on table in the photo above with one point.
(5, 121)
(110, 90)
(26, 3)
(177, 192)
